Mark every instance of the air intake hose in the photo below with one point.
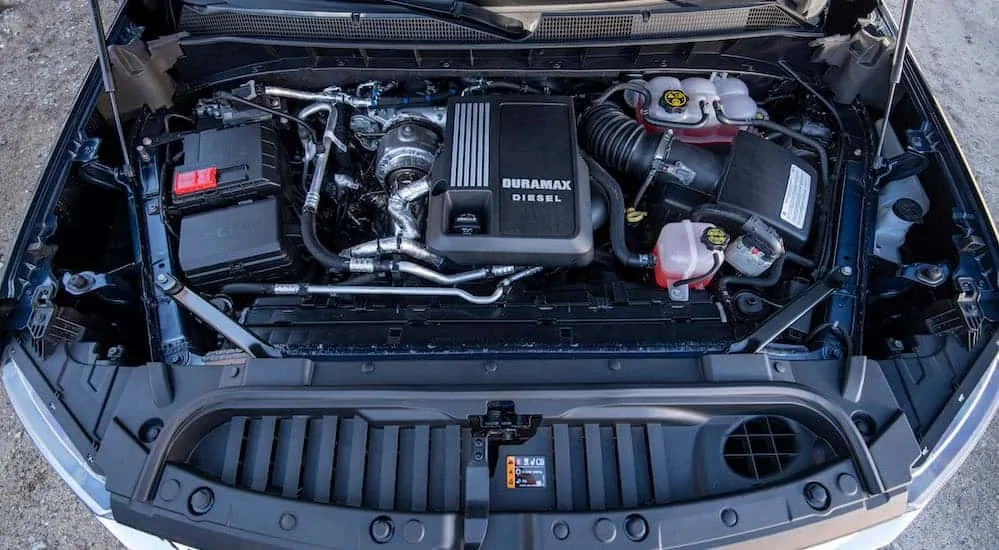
(620, 143)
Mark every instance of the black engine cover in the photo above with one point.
(510, 185)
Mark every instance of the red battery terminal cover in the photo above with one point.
(185, 183)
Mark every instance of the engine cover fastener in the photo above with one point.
(382, 530)
(817, 496)
(636, 528)
(201, 501)
(287, 522)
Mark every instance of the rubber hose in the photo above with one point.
(303, 124)
(260, 289)
(615, 203)
(622, 144)
(716, 264)
(341, 158)
(773, 276)
(598, 209)
(774, 127)
(322, 255)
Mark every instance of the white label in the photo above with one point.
(795, 206)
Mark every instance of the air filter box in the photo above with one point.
(766, 180)
(510, 187)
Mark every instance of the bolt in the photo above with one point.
(382, 530)
(729, 517)
(147, 141)
(287, 521)
(636, 528)
(846, 271)
(478, 455)
(478, 442)
(78, 281)
(201, 501)
(817, 496)
(864, 425)
(556, 65)
(857, 152)
(561, 530)
(153, 433)
(152, 209)
(162, 278)
(367, 367)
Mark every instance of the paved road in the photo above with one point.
(45, 50)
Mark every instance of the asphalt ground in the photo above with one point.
(45, 50)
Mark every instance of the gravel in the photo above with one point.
(45, 50)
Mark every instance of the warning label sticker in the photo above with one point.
(525, 472)
(795, 206)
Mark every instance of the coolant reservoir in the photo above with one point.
(688, 250)
(680, 101)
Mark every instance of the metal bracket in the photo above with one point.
(931, 275)
(967, 302)
(108, 287)
(773, 327)
(42, 309)
(84, 149)
(202, 309)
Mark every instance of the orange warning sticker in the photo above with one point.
(526, 472)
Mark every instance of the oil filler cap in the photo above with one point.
(715, 238)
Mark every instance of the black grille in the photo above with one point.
(339, 460)
(551, 28)
(761, 447)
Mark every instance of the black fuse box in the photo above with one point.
(244, 243)
(228, 165)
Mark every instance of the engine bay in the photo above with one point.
(449, 215)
